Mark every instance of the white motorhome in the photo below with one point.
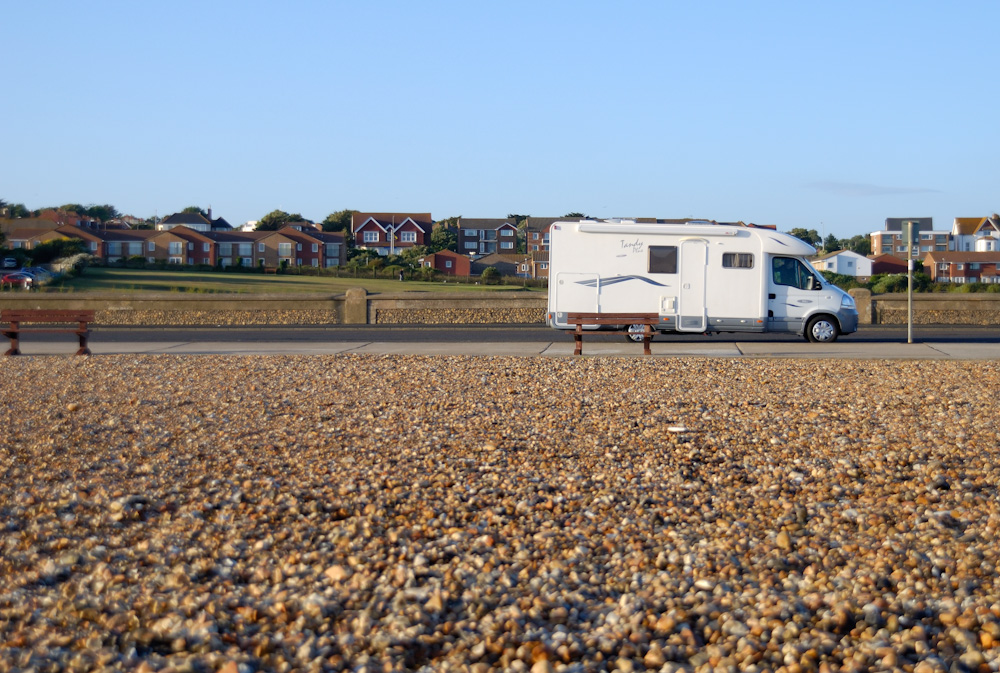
(698, 276)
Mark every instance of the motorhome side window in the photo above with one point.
(737, 260)
(663, 259)
(790, 271)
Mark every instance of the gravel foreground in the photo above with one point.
(382, 513)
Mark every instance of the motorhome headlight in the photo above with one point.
(847, 301)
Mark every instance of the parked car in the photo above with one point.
(19, 278)
(9, 263)
(38, 272)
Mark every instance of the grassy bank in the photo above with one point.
(96, 279)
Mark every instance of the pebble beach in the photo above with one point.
(399, 513)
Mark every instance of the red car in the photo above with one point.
(19, 278)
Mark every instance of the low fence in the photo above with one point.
(357, 307)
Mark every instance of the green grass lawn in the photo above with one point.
(99, 279)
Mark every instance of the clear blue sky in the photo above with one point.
(828, 116)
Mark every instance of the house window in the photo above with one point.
(150, 246)
(246, 250)
(114, 248)
(737, 260)
(315, 247)
(175, 260)
(506, 232)
(507, 245)
(447, 264)
(471, 245)
(960, 267)
(544, 266)
(176, 247)
(974, 266)
(332, 250)
(408, 237)
(246, 261)
(315, 262)
(663, 259)
(332, 261)
(206, 247)
(284, 250)
(371, 237)
(226, 249)
(534, 235)
(260, 247)
(472, 233)
(850, 264)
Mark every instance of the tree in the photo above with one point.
(490, 275)
(49, 251)
(443, 238)
(577, 215)
(276, 219)
(810, 236)
(860, 244)
(195, 210)
(518, 219)
(831, 244)
(338, 221)
(15, 210)
(102, 213)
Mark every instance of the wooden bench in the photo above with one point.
(50, 318)
(581, 319)
(270, 269)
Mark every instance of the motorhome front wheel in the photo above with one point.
(822, 329)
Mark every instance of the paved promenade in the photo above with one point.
(561, 347)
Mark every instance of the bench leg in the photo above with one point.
(83, 350)
(578, 339)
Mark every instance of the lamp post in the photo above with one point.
(911, 234)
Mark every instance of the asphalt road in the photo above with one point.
(507, 333)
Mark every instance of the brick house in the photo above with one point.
(236, 248)
(180, 245)
(390, 233)
(484, 236)
(332, 248)
(447, 262)
(963, 267)
(120, 244)
(536, 233)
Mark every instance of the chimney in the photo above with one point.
(210, 213)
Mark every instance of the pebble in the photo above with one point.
(363, 512)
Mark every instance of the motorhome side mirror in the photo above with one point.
(815, 284)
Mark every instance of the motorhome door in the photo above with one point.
(791, 294)
(694, 262)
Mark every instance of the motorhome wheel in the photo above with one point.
(822, 329)
(635, 333)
